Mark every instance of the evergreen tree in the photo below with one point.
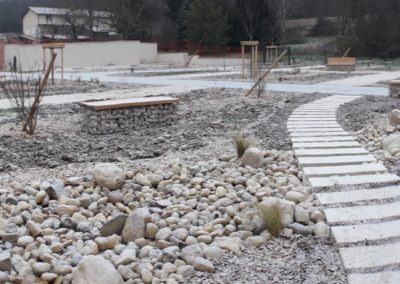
(206, 24)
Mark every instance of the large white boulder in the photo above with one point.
(108, 175)
(95, 270)
(253, 157)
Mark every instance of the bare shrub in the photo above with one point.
(262, 81)
(25, 93)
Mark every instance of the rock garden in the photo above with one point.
(174, 204)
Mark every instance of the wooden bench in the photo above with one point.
(341, 64)
(394, 88)
(111, 116)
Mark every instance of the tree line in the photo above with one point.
(369, 27)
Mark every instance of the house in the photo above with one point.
(67, 24)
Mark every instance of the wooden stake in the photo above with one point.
(62, 65)
(347, 52)
(191, 57)
(243, 62)
(266, 73)
(52, 67)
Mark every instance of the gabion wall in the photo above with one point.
(122, 119)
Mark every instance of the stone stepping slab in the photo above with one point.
(330, 152)
(358, 195)
(369, 232)
(300, 121)
(297, 116)
(334, 129)
(344, 170)
(321, 182)
(319, 134)
(291, 119)
(335, 161)
(314, 112)
(294, 128)
(313, 123)
(370, 256)
(385, 277)
(322, 139)
(362, 213)
(324, 145)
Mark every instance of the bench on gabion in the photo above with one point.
(341, 64)
(112, 116)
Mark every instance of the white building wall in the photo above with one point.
(214, 61)
(30, 23)
(148, 52)
(178, 58)
(92, 54)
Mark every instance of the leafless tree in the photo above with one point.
(281, 10)
(251, 13)
(73, 22)
(26, 95)
(127, 15)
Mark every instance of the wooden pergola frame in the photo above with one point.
(51, 47)
(254, 56)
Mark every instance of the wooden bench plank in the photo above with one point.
(124, 103)
(341, 61)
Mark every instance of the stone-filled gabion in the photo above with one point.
(344, 68)
(395, 89)
(121, 119)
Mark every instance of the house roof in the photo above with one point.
(66, 12)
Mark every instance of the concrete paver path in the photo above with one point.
(365, 220)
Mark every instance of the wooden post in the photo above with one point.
(44, 59)
(62, 65)
(256, 61)
(53, 46)
(52, 67)
(242, 61)
(253, 57)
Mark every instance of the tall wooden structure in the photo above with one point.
(253, 58)
(51, 47)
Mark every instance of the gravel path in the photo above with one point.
(295, 259)
(79, 87)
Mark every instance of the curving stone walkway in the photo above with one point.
(365, 219)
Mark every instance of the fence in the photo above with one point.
(190, 47)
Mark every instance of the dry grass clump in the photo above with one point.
(271, 216)
(241, 144)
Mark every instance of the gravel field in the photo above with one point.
(206, 121)
(368, 118)
(357, 114)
